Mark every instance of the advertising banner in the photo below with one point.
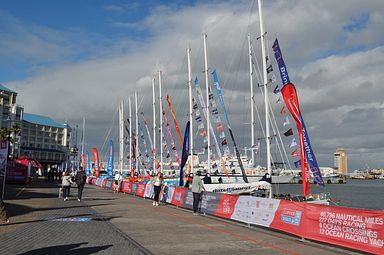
(126, 187)
(349, 227)
(226, 206)
(255, 210)
(167, 194)
(103, 182)
(108, 184)
(140, 190)
(289, 217)
(178, 196)
(99, 182)
(188, 199)
(134, 187)
(209, 202)
(149, 191)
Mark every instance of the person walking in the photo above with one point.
(197, 189)
(118, 180)
(3, 211)
(80, 179)
(157, 182)
(66, 185)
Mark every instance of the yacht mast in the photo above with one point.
(252, 100)
(190, 110)
(154, 124)
(207, 102)
(130, 134)
(121, 135)
(161, 124)
(265, 83)
(136, 136)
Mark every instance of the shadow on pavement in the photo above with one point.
(73, 249)
(17, 209)
(58, 218)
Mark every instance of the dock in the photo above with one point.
(116, 223)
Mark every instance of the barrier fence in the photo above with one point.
(348, 227)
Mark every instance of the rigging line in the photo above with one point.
(108, 132)
(275, 126)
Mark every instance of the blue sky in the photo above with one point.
(69, 59)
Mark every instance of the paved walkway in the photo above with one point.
(108, 223)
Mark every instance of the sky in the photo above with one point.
(74, 59)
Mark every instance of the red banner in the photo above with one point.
(96, 161)
(140, 190)
(354, 228)
(126, 187)
(289, 217)
(226, 206)
(178, 196)
(292, 103)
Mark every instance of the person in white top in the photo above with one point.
(118, 180)
(157, 182)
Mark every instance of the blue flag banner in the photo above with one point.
(280, 63)
(309, 154)
(184, 156)
(88, 164)
(297, 164)
(220, 95)
(311, 159)
(110, 160)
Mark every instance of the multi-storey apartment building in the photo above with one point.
(35, 136)
(340, 161)
(44, 139)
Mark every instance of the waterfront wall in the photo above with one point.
(348, 227)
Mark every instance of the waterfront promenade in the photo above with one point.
(108, 223)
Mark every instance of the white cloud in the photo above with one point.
(340, 94)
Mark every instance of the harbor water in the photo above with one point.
(364, 194)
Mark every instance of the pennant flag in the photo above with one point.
(219, 127)
(286, 121)
(278, 100)
(297, 164)
(283, 111)
(289, 132)
(269, 69)
(293, 143)
(224, 142)
(276, 90)
(295, 153)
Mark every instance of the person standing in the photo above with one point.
(157, 182)
(207, 179)
(66, 184)
(118, 180)
(197, 189)
(80, 179)
(3, 211)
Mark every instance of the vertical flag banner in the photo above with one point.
(110, 160)
(184, 156)
(292, 103)
(96, 162)
(88, 165)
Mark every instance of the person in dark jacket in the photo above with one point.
(80, 179)
(207, 179)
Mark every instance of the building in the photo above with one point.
(44, 139)
(35, 136)
(10, 121)
(340, 161)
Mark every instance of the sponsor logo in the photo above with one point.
(292, 217)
